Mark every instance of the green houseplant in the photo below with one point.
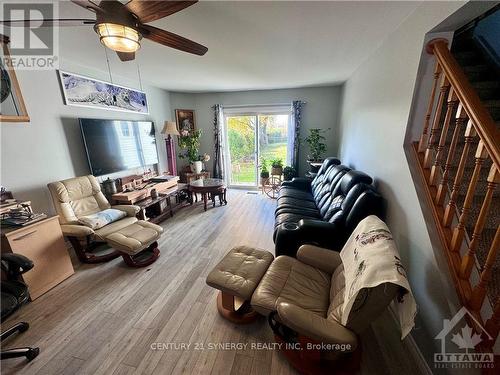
(289, 173)
(277, 166)
(190, 145)
(317, 147)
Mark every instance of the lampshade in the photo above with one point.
(170, 128)
(119, 38)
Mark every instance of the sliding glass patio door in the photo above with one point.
(241, 138)
(252, 138)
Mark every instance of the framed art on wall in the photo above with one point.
(185, 120)
(12, 107)
(84, 91)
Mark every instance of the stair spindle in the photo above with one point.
(459, 231)
(460, 120)
(468, 259)
(470, 133)
(479, 291)
(422, 144)
(436, 167)
(431, 144)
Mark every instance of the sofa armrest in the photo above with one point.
(319, 257)
(73, 230)
(300, 183)
(290, 236)
(130, 209)
(315, 326)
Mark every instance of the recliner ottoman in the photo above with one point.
(137, 243)
(236, 276)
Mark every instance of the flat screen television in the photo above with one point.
(117, 145)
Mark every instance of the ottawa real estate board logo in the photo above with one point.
(459, 343)
(33, 45)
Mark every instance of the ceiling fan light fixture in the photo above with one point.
(118, 38)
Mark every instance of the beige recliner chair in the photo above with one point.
(308, 294)
(302, 297)
(135, 240)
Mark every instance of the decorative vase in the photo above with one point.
(196, 166)
(314, 165)
(154, 194)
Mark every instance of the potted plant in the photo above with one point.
(317, 148)
(277, 167)
(264, 172)
(189, 142)
(289, 173)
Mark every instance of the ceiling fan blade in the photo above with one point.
(126, 56)
(49, 22)
(89, 5)
(172, 40)
(148, 11)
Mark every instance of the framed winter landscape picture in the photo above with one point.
(89, 92)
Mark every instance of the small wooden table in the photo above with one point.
(213, 186)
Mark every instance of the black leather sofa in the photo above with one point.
(323, 211)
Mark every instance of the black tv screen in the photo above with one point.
(116, 145)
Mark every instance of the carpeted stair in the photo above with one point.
(484, 76)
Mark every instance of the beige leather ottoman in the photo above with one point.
(137, 243)
(237, 276)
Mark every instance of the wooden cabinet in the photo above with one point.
(43, 243)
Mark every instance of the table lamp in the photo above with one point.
(169, 129)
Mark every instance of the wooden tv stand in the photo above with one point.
(158, 209)
(154, 210)
(131, 197)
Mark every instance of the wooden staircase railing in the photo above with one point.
(455, 124)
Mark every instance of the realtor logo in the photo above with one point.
(33, 45)
(458, 341)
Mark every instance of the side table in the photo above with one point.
(209, 186)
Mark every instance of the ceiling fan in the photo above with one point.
(121, 25)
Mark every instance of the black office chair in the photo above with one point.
(14, 294)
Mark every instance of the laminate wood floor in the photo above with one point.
(105, 318)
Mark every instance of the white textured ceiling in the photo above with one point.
(251, 45)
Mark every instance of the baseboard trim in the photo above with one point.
(412, 347)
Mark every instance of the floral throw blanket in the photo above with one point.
(370, 258)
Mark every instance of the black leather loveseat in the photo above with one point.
(323, 211)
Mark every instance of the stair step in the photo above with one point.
(487, 90)
(495, 103)
(493, 107)
(482, 183)
(463, 44)
(486, 85)
(466, 57)
(476, 68)
(477, 75)
(491, 219)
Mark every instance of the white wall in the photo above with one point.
(375, 112)
(50, 147)
(321, 111)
